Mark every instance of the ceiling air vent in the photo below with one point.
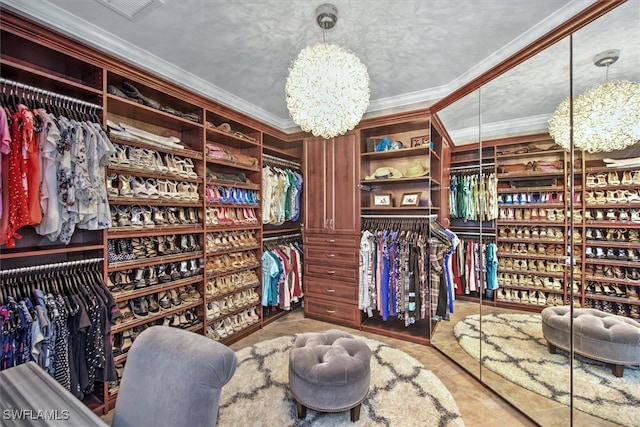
(133, 10)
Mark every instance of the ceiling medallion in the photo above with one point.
(328, 87)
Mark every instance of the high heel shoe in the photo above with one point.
(147, 221)
(151, 185)
(139, 188)
(158, 216)
(190, 168)
(124, 185)
(158, 163)
(121, 158)
(111, 190)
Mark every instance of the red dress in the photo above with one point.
(18, 208)
(33, 166)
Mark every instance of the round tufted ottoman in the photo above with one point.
(329, 372)
(597, 335)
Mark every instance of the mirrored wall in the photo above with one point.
(553, 235)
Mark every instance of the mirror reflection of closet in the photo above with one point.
(515, 108)
(463, 117)
(617, 30)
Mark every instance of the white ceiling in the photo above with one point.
(238, 52)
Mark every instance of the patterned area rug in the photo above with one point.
(402, 392)
(513, 347)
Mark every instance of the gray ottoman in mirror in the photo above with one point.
(329, 372)
(597, 335)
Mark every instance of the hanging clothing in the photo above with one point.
(282, 275)
(281, 194)
(392, 280)
(53, 175)
(64, 326)
(473, 197)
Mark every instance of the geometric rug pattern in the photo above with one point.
(513, 347)
(402, 392)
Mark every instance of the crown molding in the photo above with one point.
(501, 129)
(52, 16)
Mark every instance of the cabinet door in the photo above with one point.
(316, 185)
(346, 195)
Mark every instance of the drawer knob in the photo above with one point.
(331, 311)
(331, 240)
(330, 291)
(331, 272)
(330, 255)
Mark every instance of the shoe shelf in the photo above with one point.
(232, 328)
(134, 111)
(161, 314)
(243, 185)
(228, 306)
(148, 261)
(160, 153)
(226, 163)
(154, 289)
(227, 251)
(151, 100)
(231, 133)
(237, 289)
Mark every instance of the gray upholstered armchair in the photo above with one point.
(173, 378)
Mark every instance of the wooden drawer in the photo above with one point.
(330, 272)
(329, 255)
(332, 312)
(331, 240)
(331, 289)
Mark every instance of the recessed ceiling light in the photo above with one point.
(133, 10)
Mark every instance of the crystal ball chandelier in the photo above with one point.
(328, 87)
(605, 118)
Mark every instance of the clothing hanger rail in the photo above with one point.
(430, 217)
(465, 168)
(41, 92)
(52, 266)
(277, 161)
(283, 237)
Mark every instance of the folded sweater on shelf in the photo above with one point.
(128, 132)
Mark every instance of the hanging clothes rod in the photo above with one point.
(429, 217)
(473, 233)
(279, 161)
(38, 91)
(461, 168)
(52, 266)
(283, 237)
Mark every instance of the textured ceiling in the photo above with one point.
(238, 52)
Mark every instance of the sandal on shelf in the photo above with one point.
(190, 168)
(139, 188)
(124, 185)
(151, 185)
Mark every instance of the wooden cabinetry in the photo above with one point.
(185, 242)
(331, 189)
(331, 230)
(401, 191)
(331, 278)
